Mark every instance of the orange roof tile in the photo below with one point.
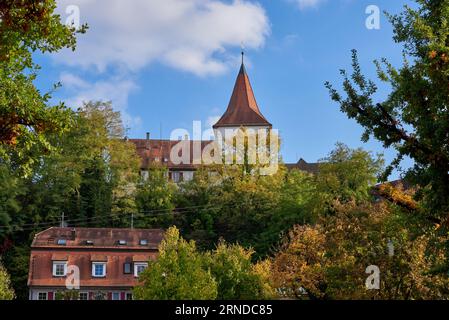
(242, 109)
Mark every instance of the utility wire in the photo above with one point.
(176, 211)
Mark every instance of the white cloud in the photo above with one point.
(304, 4)
(211, 121)
(190, 35)
(116, 90)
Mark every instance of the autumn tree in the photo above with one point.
(26, 116)
(414, 118)
(328, 260)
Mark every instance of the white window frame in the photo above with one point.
(83, 292)
(118, 295)
(42, 292)
(93, 269)
(137, 265)
(58, 263)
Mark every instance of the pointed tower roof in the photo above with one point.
(242, 109)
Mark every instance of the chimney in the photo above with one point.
(73, 234)
(148, 136)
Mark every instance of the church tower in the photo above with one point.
(242, 111)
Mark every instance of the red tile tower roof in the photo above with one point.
(242, 109)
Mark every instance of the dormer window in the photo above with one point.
(98, 269)
(139, 268)
(122, 242)
(143, 242)
(59, 268)
(62, 242)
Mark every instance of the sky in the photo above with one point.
(167, 63)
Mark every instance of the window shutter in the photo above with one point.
(50, 295)
(122, 295)
(109, 295)
(91, 295)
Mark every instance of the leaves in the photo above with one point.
(414, 118)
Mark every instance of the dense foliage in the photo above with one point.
(26, 116)
(183, 272)
(6, 292)
(414, 118)
(179, 273)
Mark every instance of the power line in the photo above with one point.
(181, 210)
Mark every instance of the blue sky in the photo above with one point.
(166, 63)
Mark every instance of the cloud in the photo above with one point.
(116, 90)
(189, 35)
(305, 4)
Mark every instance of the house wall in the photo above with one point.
(91, 292)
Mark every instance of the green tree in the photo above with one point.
(345, 175)
(237, 278)
(179, 273)
(92, 179)
(6, 292)
(155, 199)
(25, 115)
(414, 118)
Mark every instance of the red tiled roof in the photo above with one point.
(304, 166)
(101, 238)
(158, 151)
(105, 248)
(242, 109)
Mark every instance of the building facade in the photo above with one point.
(93, 263)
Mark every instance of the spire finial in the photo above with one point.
(243, 50)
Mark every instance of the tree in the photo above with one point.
(328, 260)
(345, 175)
(155, 199)
(25, 115)
(249, 208)
(6, 292)
(414, 118)
(91, 180)
(237, 278)
(179, 273)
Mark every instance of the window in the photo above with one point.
(129, 296)
(143, 242)
(127, 268)
(116, 296)
(176, 177)
(139, 267)
(62, 242)
(98, 269)
(122, 242)
(59, 268)
(89, 242)
(84, 296)
(42, 296)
